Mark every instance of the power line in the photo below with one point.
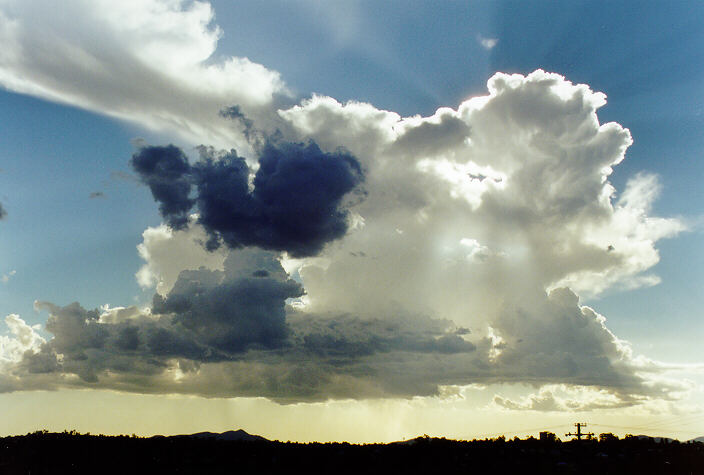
(661, 425)
(523, 431)
(680, 420)
(645, 428)
(580, 425)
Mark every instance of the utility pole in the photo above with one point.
(579, 433)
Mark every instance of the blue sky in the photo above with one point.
(69, 128)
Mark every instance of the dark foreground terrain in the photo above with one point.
(70, 452)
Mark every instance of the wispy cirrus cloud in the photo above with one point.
(151, 62)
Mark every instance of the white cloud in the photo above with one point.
(166, 253)
(527, 176)
(629, 236)
(7, 276)
(520, 177)
(488, 43)
(147, 61)
(24, 338)
(561, 398)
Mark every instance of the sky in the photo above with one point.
(358, 221)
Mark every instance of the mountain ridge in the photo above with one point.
(230, 435)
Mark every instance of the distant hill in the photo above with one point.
(656, 439)
(698, 439)
(420, 438)
(229, 435)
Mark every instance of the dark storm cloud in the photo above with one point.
(167, 173)
(229, 311)
(208, 316)
(295, 205)
(320, 358)
(86, 346)
(350, 337)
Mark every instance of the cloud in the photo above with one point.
(166, 171)
(229, 333)
(628, 234)
(488, 43)
(7, 276)
(234, 309)
(207, 316)
(534, 158)
(349, 337)
(152, 62)
(166, 253)
(295, 205)
(24, 338)
(486, 229)
(563, 398)
(463, 264)
(233, 321)
(452, 270)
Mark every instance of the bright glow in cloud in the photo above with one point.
(24, 338)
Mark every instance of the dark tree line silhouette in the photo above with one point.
(70, 452)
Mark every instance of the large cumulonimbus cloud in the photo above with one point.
(454, 272)
(479, 229)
